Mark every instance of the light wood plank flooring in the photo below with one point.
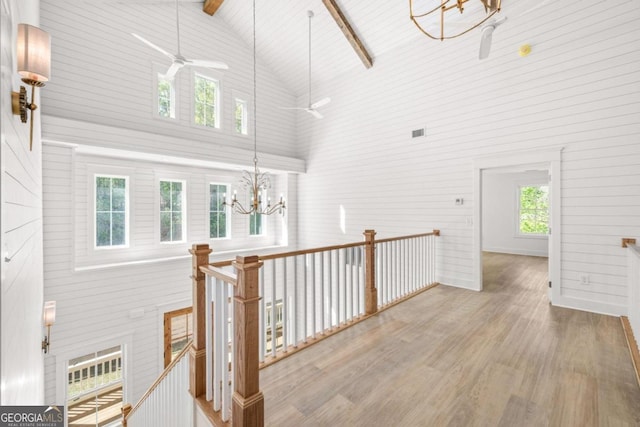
(452, 357)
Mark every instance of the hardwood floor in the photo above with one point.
(452, 357)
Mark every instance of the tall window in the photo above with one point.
(207, 96)
(172, 215)
(166, 97)
(217, 211)
(241, 117)
(534, 210)
(111, 211)
(255, 224)
(255, 220)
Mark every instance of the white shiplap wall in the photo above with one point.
(95, 301)
(103, 75)
(579, 89)
(21, 232)
(101, 96)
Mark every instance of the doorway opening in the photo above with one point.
(518, 210)
(178, 330)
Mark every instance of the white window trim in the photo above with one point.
(228, 210)
(93, 206)
(518, 233)
(185, 200)
(162, 69)
(220, 110)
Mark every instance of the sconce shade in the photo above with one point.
(34, 53)
(49, 313)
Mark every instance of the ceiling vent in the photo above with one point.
(417, 133)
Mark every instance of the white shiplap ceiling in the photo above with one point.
(282, 33)
(381, 25)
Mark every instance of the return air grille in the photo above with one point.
(417, 133)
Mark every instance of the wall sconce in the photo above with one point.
(49, 316)
(34, 66)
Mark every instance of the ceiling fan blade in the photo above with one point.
(293, 108)
(485, 41)
(207, 64)
(171, 72)
(314, 113)
(323, 101)
(153, 46)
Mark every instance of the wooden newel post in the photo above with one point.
(248, 401)
(126, 408)
(197, 352)
(370, 292)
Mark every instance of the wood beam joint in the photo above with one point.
(211, 6)
(628, 241)
(348, 32)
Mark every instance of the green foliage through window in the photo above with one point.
(217, 211)
(241, 116)
(255, 220)
(171, 211)
(534, 209)
(111, 206)
(165, 97)
(206, 101)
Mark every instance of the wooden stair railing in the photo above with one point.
(378, 274)
(128, 410)
(247, 401)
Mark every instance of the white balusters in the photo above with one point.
(169, 404)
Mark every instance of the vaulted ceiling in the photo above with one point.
(381, 25)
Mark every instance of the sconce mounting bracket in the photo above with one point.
(19, 103)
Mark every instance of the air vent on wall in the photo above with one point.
(417, 133)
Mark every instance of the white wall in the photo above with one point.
(103, 75)
(500, 214)
(21, 301)
(100, 97)
(579, 89)
(99, 292)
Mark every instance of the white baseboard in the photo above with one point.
(514, 251)
(457, 283)
(590, 306)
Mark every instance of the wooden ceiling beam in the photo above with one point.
(211, 6)
(348, 32)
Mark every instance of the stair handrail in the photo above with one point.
(128, 409)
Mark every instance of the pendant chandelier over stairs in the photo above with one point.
(255, 182)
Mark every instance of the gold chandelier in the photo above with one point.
(425, 16)
(255, 182)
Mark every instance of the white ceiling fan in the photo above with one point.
(487, 35)
(311, 108)
(179, 61)
(489, 28)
